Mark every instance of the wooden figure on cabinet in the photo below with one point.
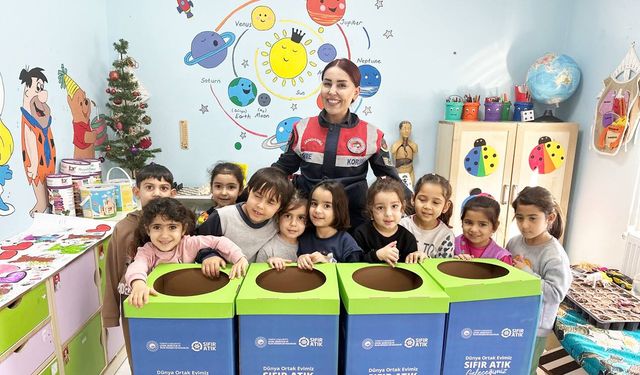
(404, 151)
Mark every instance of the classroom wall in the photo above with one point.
(46, 34)
(470, 47)
(600, 35)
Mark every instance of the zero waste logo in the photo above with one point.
(152, 346)
(409, 343)
(261, 342)
(466, 333)
(367, 344)
(303, 342)
(196, 346)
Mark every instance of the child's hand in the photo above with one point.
(416, 257)
(239, 268)
(140, 293)
(306, 261)
(463, 256)
(278, 263)
(518, 262)
(212, 265)
(389, 254)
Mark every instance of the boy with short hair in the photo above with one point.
(152, 181)
(250, 224)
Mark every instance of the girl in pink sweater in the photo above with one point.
(163, 226)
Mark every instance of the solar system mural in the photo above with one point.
(267, 59)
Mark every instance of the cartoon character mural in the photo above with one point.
(38, 148)
(83, 135)
(6, 149)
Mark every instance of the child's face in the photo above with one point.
(152, 188)
(292, 222)
(429, 203)
(532, 221)
(477, 228)
(386, 211)
(321, 208)
(261, 206)
(224, 189)
(165, 234)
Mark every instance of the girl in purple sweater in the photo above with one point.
(480, 212)
(163, 226)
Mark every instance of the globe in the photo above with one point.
(553, 78)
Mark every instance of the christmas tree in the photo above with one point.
(130, 148)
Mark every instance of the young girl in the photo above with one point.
(327, 239)
(382, 239)
(226, 184)
(430, 223)
(164, 224)
(480, 213)
(283, 247)
(538, 252)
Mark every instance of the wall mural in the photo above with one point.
(262, 61)
(84, 136)
(38, 148)
(6, 149)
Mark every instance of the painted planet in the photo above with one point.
(326, 12)
(262, 18)
(209, 49)
(370, 80)
(319, 102)
(327, 52)
(282, 134)
(264, 99)
(242, 91)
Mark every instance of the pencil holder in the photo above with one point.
(470, 111)
(492, 111)
(453, 111)
(518, 107)
(506, 109)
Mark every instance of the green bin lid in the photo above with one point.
(289, 292)
(380, 289)
(214, 298)
(481, 279)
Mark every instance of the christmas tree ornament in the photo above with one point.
(107, 148)
(146, 120)
(143, 105)
(134, 150)
(136, 93)
(119, 125)
(145, 143)
(108, 90)
(117, 101)
(114, 75)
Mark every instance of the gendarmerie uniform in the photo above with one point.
(339, 152)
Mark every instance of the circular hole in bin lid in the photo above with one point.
(387, 279)
(291, 280)
(189, 282)
(472, 270)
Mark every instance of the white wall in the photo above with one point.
(46, 34)
(601, 33)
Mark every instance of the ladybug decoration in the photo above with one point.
(546, 156)
(482, 160)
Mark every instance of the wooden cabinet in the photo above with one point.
(501, 158)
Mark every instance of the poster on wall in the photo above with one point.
(51, 242)
(6, 150)
(263, 61)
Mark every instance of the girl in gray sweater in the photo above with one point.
(538, 252)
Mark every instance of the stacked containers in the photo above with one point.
(189, 326)
(95, 171)
(288, 320)
(125, 199)
(393, 319)
(80, 172)
(493, 316)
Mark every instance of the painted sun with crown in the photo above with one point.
(288, 58)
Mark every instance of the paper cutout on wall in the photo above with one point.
(84, 137)
(185, 6)
(6, 150)
(482, 160)
(276, 56)
(547, 156)
(38, 148)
